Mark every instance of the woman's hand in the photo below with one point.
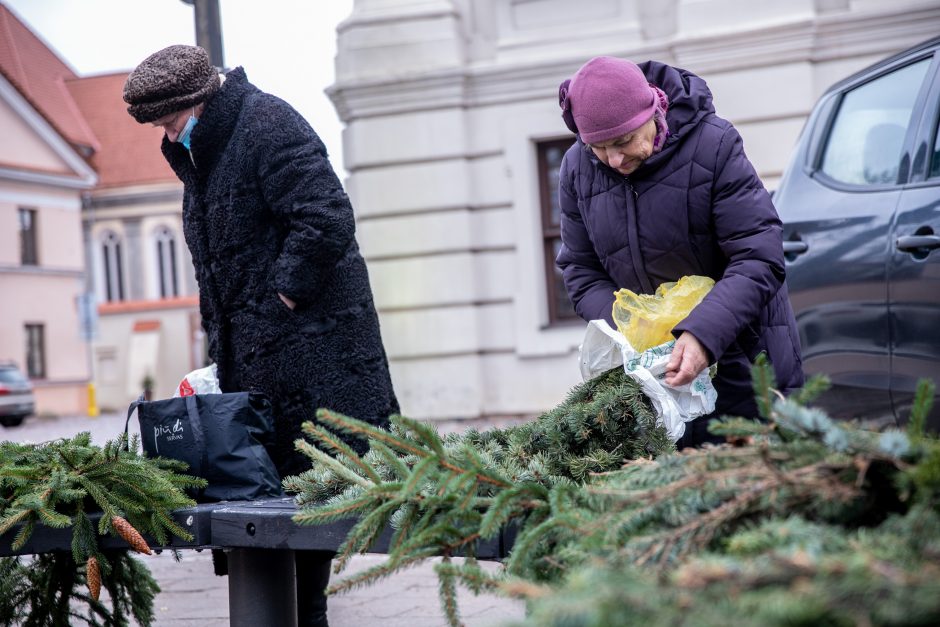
(688, 359)
(290, 304)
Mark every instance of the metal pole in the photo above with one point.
(90, 292)
(208, 23)
(262, 588)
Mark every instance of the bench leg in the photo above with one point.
(262, 588)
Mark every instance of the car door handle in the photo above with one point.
(917, 243)
(794, 248)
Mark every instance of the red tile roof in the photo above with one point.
(137, 306)
(129, 153)
(39, 75)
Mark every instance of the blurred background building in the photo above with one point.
(95, 278)
(44, 171)
(452, 142)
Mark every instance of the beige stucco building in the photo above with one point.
(89, 213)
(43, 173)
(453, 135)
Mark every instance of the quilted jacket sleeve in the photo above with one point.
(749, 234)
(299, 185)
(589, 286)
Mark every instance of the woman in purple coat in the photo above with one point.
(657, 187)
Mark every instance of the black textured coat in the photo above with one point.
(263, 212)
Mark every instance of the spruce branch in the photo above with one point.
(471, 575)
(319, 456)
(448, 594)
(763, 381)
(341, 448)
(380, 571)
(51, 484)
(923, 401)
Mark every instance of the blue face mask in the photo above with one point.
(183, 137)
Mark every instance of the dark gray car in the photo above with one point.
(860, 202)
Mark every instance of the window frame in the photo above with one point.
(108, 274)
(929, 135)
(164, 240)
(34, 370)
(29, 250)
(904, 173)
(550, 232)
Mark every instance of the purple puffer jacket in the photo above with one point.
(696, 207)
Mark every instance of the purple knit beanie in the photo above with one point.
(606, 98)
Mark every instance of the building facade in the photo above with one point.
(453, 139)
(138, 266)
(43, 173)
(96, 282)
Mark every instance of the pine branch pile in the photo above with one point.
(797, 507)
(786, 571)
(443, 495)
(58, 484)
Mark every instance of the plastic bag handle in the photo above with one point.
(195, 423)
(130, 410)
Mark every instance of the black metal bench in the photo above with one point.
(260, 539)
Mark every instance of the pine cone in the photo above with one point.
(93, 577)
(130, 535)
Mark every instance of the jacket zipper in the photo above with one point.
(633, 237)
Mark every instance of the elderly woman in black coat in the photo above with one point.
(283, 290)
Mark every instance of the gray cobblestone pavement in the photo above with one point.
(192, 596)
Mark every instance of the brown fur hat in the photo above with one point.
(168, 81)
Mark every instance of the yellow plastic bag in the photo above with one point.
(647, 320)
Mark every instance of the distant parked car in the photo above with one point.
(16, 396)
(860, 202)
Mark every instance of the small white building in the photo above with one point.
(453, 138)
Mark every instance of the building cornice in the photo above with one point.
(143, 306)
(826, 37)
(386, 16)
(44, 178)
(6, 269)
(132, 199)
(85, 177)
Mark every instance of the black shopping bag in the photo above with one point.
(220, 436)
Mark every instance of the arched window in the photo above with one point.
(166, 263)
(112, 266)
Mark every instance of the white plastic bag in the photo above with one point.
(201, 381)
(605, 348)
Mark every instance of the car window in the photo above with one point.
(935, 157)
(864, 145)
(9, 375)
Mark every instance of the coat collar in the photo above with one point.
(211, 135)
